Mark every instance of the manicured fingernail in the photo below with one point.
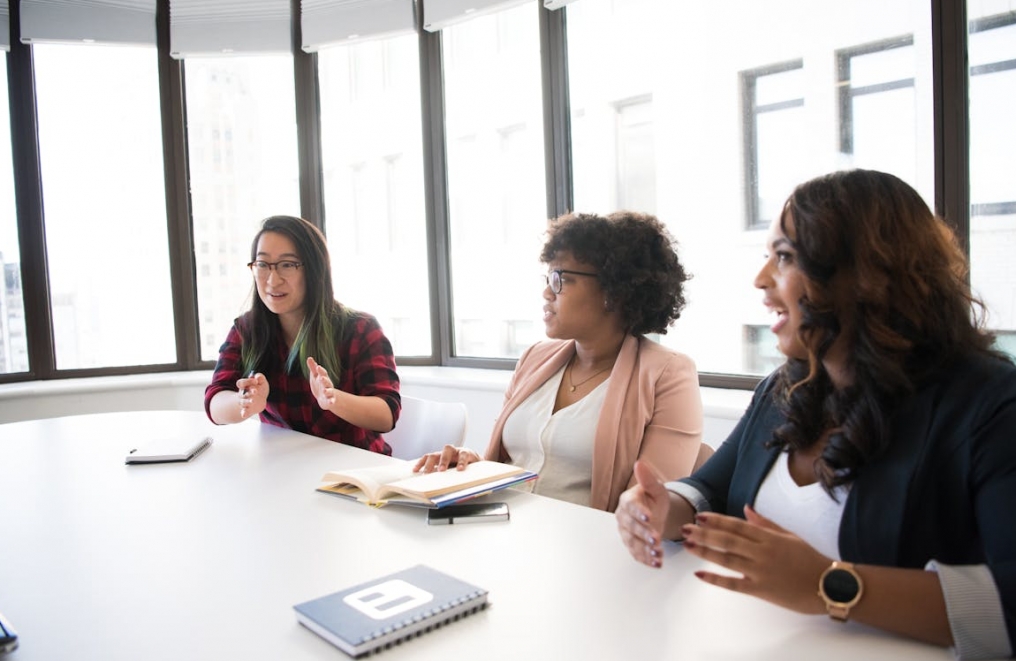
(700, 574)
(686, 530)
(654, 553)
(688, 544)
(656, 564)
(701, 518)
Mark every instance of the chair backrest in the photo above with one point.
(704, 452)
(426, 426)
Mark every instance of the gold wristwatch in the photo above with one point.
(841, 587)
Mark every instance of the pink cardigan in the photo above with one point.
(653, 409)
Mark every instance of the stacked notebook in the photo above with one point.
(377, 614)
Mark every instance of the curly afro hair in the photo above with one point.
(636, 259)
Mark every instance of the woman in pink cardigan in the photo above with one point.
(584, 405)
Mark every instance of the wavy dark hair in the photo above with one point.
(636, 259)
(325, 319)
(887, 274)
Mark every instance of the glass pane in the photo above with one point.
(736, 124)
(992, 47)
(241, 138)
(375, 211)
(13, 342)
(496, 182)
(100, 143)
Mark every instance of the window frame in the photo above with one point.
(1007, 207)
(848, 92)
(949, 38)
(750, 111)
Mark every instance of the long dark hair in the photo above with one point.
(886, 273)
(324, 318)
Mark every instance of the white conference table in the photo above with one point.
(204, 560)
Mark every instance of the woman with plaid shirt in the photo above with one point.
(300, 359)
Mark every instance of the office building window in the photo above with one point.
(761, 355)
(740, 106)
(992, 59)
(13, 342)
(241, 134)
(375, 211)
(100, 146)
(1005, 340)
(495, 175)
(877, 107)
(636, 157)
(775, 138)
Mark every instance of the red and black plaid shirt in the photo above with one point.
(368, 368)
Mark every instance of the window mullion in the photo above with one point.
(28, 194)
(952, 131)
(181, 238)
(556, 112)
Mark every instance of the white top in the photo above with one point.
(807, 511)
(558, 446)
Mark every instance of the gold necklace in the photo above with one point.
(571, 370)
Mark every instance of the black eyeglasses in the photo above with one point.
(555, 283)
(285, 268)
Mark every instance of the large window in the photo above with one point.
(372, 151)
(992, 48)
(433, 159)
(496, 184)
(744, 106)
(241, 138)
(13, 342)
(100, 144)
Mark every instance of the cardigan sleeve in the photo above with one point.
(671, 439)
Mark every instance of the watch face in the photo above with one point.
(840, 586)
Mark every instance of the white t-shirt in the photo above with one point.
(806, 511)
(557, 446)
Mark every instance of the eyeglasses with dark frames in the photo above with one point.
(556, 284)
(284, 268)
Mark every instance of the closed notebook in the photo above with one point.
(377, 614)
(167, 450)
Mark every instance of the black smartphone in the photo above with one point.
(468, 513)
(8, 637)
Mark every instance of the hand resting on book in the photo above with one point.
(446, 458)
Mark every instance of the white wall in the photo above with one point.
(481, 390)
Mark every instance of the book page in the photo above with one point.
(371, 481)
(428, 485)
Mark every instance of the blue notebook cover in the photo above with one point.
(378, 614)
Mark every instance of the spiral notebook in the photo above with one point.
(375, 615)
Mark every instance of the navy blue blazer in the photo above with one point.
(945, 490)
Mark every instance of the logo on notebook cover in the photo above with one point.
(386, 599)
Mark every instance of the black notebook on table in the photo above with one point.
(374, 615)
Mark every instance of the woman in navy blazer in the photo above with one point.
(893, 405)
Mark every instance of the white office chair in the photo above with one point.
(426, 426)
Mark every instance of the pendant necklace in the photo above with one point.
(576, 385)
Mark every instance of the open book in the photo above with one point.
(396, 483)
